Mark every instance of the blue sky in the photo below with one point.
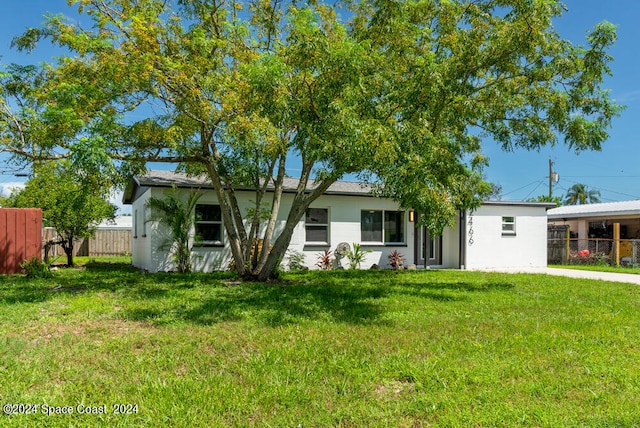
(614, 171)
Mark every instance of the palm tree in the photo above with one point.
(176, 213)
(578, 194)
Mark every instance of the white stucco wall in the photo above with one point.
(451, 246)
(141, 243)
(344, 218)
(492, 249)
(489, 249)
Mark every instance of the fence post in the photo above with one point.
(567, 246)
(616, 244)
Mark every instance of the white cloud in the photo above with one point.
(7, 188)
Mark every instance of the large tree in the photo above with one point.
(400, 92)
(71, 203)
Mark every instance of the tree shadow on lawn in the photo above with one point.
(339, 296)
(273, 305)
(353, 297)
(97, 278)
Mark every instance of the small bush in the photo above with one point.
(396, 260)
(35, 268)
(325, 261)
(296, 261)
(356, 256)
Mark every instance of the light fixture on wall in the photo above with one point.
(411, 216)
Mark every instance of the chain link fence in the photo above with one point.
(591, 251)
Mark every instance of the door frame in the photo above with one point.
(422, 247)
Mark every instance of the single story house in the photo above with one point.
(591, 228)
(596, 220)
(496, 235)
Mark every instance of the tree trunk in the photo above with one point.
(67, 246)
(300, 203)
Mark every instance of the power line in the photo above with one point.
(538, 182)
(534, 189)
(602, 176)
(608, 190)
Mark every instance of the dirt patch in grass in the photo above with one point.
(39, 332)
(395, 389)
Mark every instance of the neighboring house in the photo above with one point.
(590, 227)
(497, 235)
(596, 220)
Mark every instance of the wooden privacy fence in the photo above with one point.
(106, 242)
(20, 237)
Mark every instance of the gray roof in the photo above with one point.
(157, 178)
(546, 205)
(607, 209)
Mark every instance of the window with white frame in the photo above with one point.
(208, 225)
(382, 227)
(508, 225)
(316, 225)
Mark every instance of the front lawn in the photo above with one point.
(601, 268)
(365, 348)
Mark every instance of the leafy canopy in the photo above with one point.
(401, 93)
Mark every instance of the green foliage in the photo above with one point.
(401, 93)
(356, 255)
(36, 268)
(325, 260)
(70, 203)
(296, 261)
(579, 194)
(545, 198)
(177, 214)
(396, 260)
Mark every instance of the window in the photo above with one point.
(317, 225)
(389, 231)
(394, 227)
(371, 226)
(508, 225)
(208, 225)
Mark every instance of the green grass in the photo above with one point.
(601, 268)
(351, 349)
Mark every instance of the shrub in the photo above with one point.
(396, 260)
(295, 261)
(356, 256)
(35, 268)
(324, 260)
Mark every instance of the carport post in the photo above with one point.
(616, 244)
(567, 246)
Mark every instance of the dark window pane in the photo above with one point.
(317, 216)
(394, 226)
(209, 233)
(371, 226)
(208, 213)
(317, 234)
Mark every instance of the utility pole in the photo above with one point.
(553, 177)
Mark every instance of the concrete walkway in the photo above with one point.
(575, 273)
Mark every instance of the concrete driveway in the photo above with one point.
(575, 273)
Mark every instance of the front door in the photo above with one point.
(428, 249)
